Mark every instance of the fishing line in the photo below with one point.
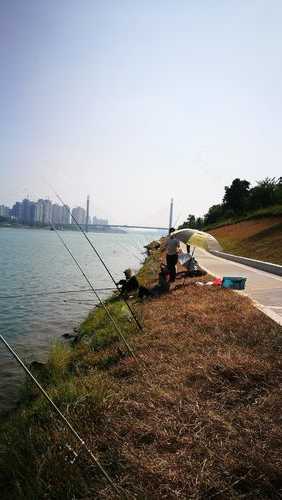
(176, 220)
(97, 254)
(74, 301)
(129, 348)
(137, 249)
(128, 251)
(64, 419)
(140, 246)
(42, 294)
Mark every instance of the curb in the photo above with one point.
(266, 310)
(257, 264)
(215, 248)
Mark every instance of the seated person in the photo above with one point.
(164, 279)
(130, 284)
(162, 286)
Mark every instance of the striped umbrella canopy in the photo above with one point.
(195, 238)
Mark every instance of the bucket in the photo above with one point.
(235, 283)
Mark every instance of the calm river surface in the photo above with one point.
(34, 261)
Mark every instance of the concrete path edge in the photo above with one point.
(264, 309)
(258, 264)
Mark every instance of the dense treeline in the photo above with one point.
(239, 200)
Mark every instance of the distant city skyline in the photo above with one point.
(44, 211)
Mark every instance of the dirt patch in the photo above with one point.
(259, 239)
(245, 229)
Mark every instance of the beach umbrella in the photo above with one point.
(196, 238)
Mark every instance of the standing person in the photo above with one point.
(172, 248)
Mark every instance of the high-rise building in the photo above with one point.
(39, 212)
(79, 214)
(4, 211)
(17, 211)
(28, 211)
(56, 214)
(87, 213)
(66, 214)
(60, 214)
(32, 213)
(47, 212)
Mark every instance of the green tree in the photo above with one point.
(278, 191)
(199, 222)
(265, 193)
(237, 195)
(189, 222)
(215, 213)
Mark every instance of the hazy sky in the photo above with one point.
(136, 101)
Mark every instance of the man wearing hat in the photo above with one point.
(130, 284)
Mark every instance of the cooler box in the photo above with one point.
(236, 283)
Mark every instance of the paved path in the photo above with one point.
(264, 288)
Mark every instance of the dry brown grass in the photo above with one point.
(207, 421)
(246, 229)
(259, 239)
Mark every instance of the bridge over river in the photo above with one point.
(108, 227)
(125, 226)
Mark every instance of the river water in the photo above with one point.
(34, 261)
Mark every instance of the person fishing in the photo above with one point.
(161, 287)
(129, 284)
(172, 250)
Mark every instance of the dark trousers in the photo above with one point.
(171, 261)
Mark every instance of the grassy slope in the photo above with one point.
(259, 238)
(262, 213)
(203, 419)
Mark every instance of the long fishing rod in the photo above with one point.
(40, 294)
(115, 488)
(98, 255)
(129, 348)
(76, 301)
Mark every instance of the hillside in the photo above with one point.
(256, 238)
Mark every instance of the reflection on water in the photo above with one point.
(33, 261)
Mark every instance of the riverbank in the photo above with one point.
(201, 420)
(42, 293)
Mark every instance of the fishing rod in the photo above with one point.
(98, 255)
(76, 301)
(115, 488)
(40, 294)
(176, 220)
(119, 332)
